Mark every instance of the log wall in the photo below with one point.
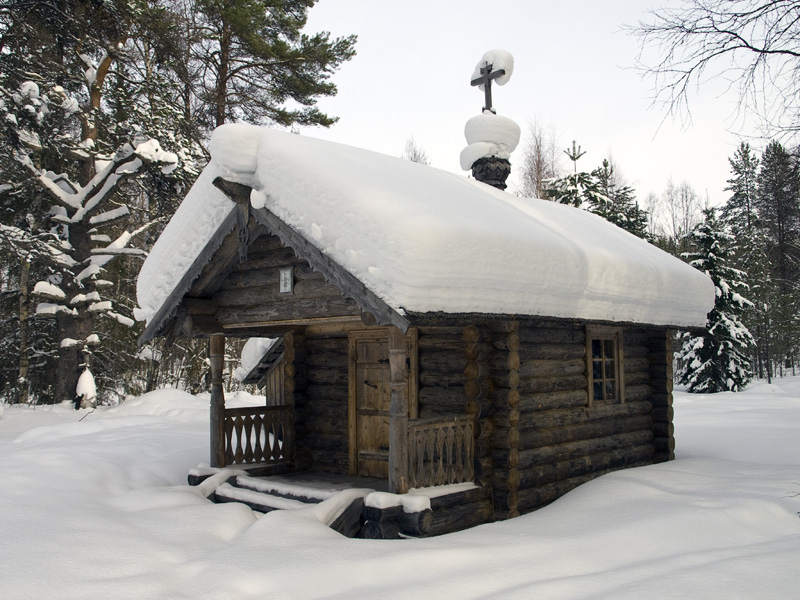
(321, 410)
(546, 438)
(250, 291)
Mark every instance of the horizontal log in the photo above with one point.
(483, 470)
(265, 244)
(326, 460)
(536, 385)
(325, 441)
(333, 377)
(539, 438)
(533, 498)
(314, 426)
(441, 331)
(501, 327)
(289, 310)
(476, 370)
(461, 517)
(509, 341)
(474, 495)
(478, 351)
(663, 429)
(551, 368)
(637, 393)
(478, 408)
(269, 275)
(663, 413)
(572, 416)
(436, 395)
(636, 378)
(549, 454)
(661, 399)
(449, 361)
(474, 333)
(538, 402)
(439, 379)
(664, 444)
(416, 523)
(553, 351)
(660, 457)
(539, 475)
(636, 365)
(551, 335)
(330, 343)
(432, 344)
(635, 350)
(479, 390)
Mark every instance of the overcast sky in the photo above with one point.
(573, 70)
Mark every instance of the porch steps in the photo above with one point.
(268, 495)
(264, 495)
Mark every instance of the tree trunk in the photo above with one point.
(71, 358)
(23, 384)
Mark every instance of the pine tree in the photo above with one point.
(716, 360)
(254, 63)
(77, 130)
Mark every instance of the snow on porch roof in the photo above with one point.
(425, 240)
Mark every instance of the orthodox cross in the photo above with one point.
(486, 80)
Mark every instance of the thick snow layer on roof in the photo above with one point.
(426, 240)
(252, 352)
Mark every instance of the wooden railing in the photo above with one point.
(440, 451)
(256, 434)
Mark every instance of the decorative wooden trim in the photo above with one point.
(170, 305)
(412, 341)
(334, 273)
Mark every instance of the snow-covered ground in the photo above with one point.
(93, 505)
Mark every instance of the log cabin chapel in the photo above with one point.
(434, 332)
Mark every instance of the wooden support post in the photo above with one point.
(217, 352)
(398, 412)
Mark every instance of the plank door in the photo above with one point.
(369, 404)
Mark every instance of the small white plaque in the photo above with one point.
(287, 281)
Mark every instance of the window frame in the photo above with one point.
(603, 334)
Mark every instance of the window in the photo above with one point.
(604, 365)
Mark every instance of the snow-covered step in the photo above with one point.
(259, 501)
(302, 493)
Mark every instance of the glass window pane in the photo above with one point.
(610, 395)
(597, 369)
(597, 349)
(598, 391)
(609, 348)
(609, 369)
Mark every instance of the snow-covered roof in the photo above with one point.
(426, 240)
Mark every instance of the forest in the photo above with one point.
(106, 108)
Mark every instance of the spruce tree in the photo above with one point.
(621, 208)
(579, 189)
(716, 360)
(778, 209)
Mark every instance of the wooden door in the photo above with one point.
(370, 399)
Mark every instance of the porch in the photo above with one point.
(356, 507)
(420, 453)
